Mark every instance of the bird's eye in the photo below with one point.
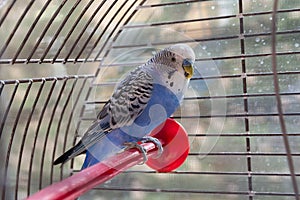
(173, 59)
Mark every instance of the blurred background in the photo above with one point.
(59, 63)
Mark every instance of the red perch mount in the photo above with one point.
(176, 146)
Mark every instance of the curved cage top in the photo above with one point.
(60, 60)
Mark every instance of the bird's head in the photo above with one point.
(178, 57)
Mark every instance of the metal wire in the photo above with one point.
(30, 82)
(279, 103)
(48, 114)
(104, 8)
(245, 91)
(221, 193)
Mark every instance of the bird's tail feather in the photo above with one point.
(88, 160)
(71, 153)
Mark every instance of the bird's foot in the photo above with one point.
(156, 142)
(145, 139)
(130, 145)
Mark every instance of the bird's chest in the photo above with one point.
(162, 104)
(165, 98)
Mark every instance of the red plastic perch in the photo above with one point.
(176, 147)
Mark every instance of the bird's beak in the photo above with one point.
(187, 65)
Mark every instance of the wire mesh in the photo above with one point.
(242, 111)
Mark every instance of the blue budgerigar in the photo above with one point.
(143, 100)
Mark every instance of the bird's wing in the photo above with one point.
(126, 103)
(130, 98)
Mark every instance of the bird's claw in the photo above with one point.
(158, 144)
(130, 145)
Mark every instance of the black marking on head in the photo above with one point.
(173, 59)
(172, 84)
(171, 74)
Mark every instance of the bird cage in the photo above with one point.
(60, 61)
